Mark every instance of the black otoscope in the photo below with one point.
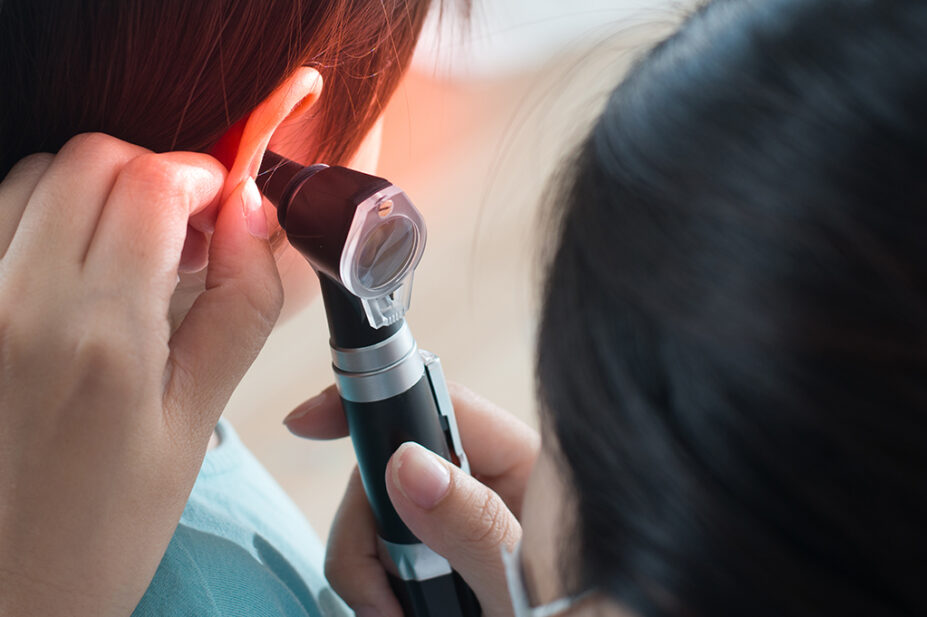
(364, 239)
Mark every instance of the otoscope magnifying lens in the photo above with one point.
(386, 253)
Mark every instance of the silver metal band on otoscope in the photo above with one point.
(413, 562)
(378, 372)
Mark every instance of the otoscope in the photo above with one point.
(364, 238)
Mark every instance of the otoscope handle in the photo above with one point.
(393, 393)
(446, 595)
(378, 428)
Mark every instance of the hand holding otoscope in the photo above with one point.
(364, 239)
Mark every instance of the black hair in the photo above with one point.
(733, 347)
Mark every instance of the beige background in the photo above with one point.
(476, 156)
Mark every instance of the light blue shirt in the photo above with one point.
(242, 548)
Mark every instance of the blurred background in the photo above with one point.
(486, 118)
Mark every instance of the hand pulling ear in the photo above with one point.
(242, 148)
(296, 95)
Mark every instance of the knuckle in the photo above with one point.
(31, 166)
(341, 574)
(103, 153)
(104, 369)
(150, 179)
(265, 300)
(99, 353)
(488, 523)
(158, 178)
(109, 342)
(151, 169)
(89, 143)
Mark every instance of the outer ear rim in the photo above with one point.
(296, 95)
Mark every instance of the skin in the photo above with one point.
(517, 491)
(92, 374)
(286, 133)
(472, 519)
(101, 370)
(277, 124)
(111, 365)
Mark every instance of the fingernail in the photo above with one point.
(305, 408)
(252, 207)
(367, 611)
(420, 475)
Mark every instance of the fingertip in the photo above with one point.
(252, 206)
(421, 475)
(237, 253)
(244, 198)
(321, 417)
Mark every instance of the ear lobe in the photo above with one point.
(293, 97)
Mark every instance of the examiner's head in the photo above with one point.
(733, 349)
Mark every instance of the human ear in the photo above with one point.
(241, 150)
(244, 145)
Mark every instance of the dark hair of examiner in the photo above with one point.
(733, 349)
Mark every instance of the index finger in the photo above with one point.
(501, 448)
(15, 191)
(64, 207)
(140, 235)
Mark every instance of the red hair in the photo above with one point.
(176, 74)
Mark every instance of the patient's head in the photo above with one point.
(308, 78)
(175, 74)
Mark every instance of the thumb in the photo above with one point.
(458, 517)
(229, 322)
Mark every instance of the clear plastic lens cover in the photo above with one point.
(387, 310)
(385, 253)
(383, 248)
